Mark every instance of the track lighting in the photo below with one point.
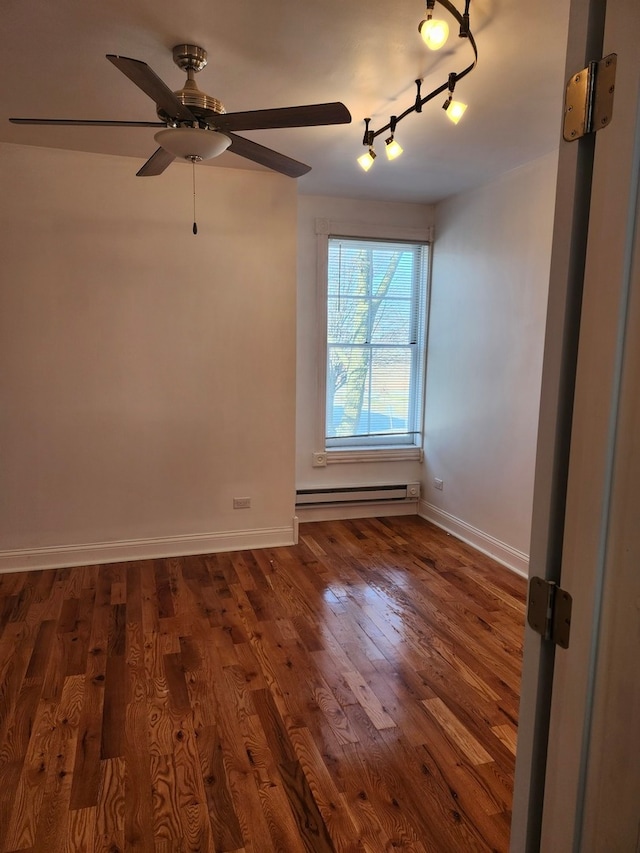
(393, 148)
(464, 23)
(366, 160)
(434, 32)
(453, 109)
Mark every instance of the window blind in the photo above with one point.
(375, 341)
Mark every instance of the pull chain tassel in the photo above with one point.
(193, 169)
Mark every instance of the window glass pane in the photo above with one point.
(375, 341)
(371, 391)
(392, 322)
(347, 390)
(390, 389)
(348, 320)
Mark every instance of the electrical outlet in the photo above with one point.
(242, 503)
(438, 483)
(319, 460)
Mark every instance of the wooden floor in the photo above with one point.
(356, 692)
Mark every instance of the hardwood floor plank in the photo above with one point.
(460, 735)
(68, 616)
(454, 828)
(242, 571)
(166, 809)
(41, 650)
(80, 826)
(53, 817)
(340, 827)
(192, 798)
(225, 828)
(508, 735)
(263, 751)
(374, 793)
(12, 673)
(21, 828)
(163, 589)
(332, 710)
(110, 811)
(143, 581)
(158, 701)
(370, 703)
(138, 803)
(86, 765)
(356, 693)
(176, 684)
(239, 763)
(112, 741)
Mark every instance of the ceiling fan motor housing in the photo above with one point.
(191, 58)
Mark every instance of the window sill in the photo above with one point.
(375, 454)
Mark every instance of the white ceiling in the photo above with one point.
(278, 53)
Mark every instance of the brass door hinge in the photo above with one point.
(588, 102)
(549, 611)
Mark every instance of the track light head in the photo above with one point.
(366, 160)
(454, 109)
(434, 32)
(392, 148)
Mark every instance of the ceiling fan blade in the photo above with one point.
(267, 157)
(156, 164)
(304, 116)
(147, 80)
(86, 122)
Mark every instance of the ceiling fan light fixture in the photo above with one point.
(192, 143)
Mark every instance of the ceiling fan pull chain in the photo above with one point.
(193, 169)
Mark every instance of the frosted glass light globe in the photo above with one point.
(192, 142)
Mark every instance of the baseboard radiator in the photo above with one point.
(405, 493)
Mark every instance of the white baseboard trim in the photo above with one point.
(66, 556)
(513, 559)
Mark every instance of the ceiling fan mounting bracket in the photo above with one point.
(189, 57)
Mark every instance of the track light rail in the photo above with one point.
(449, 85)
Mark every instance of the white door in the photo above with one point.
(578, 770)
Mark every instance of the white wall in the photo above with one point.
(309, 429)
(489, 294)
(148, 376)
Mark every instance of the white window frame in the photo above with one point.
(325, 229)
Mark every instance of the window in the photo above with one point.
(375, 342)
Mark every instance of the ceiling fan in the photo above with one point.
(197, 127)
